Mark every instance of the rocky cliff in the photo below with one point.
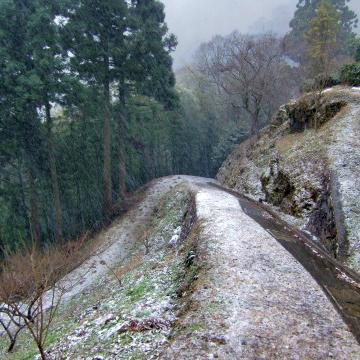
(306, 164)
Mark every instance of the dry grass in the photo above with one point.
(285, 143)
(134, 262)
(27, 267)
(23, 273)
(30, 291)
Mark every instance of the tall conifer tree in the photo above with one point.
(299, 25)
(145, 68)
(19, 93)
(94, 36)
(322, 38)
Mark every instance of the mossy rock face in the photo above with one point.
(322, 223)
(312, 111)
(278, 188)
(313, 136)
(281, 116)
(276, 184)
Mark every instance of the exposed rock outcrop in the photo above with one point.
(312, 111)
(306, 163)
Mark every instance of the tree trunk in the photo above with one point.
(34, 222)
(11, 346)
(54, 176)
(254, 127)
(24, 211)
(31, 132)
(121, 144)
(122, 169)
(107, 207)
(255, 115)
(254, 131)
(42, 352)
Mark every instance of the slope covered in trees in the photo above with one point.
(88, 111)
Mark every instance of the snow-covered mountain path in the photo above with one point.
(255, 300)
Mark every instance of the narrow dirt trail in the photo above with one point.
(255, 300)
(340, 284)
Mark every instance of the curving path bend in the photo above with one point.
(256, 300)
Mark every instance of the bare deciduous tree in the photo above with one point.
(251, 71)
(31, 291)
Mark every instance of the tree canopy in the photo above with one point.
(89, 111)
(321, 37)
(306, 10)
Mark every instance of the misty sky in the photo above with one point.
(196, 21)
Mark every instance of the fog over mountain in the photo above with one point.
(197, 21)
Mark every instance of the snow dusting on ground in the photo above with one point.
(119, 239)
(344, 156)
(255, 301)
(221, 287)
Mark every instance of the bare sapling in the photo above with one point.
(111, 271)
(31, 293)
(7, 322)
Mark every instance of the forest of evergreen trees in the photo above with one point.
(89, 110)
(76, 112)
(88, 113)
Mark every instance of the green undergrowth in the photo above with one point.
(134, 319)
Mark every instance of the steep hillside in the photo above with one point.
(196, 272)
(306, 164)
